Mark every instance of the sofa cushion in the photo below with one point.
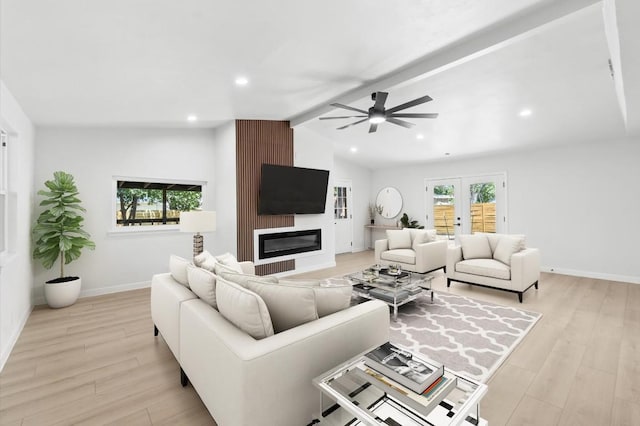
(178, 269)
(242, 279)
(244, 309)
(331, 296)
(206, 261)
(399, 255)
(475, 247)
(229, 260)
(507, 245)
(484, 267)
(289, 306)
(203, 284)
(399, 239)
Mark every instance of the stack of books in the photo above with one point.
(420, 384)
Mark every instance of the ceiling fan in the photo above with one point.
(378, 114)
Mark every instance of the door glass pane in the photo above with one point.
(340, 202)
(483, 207)
(444, 209)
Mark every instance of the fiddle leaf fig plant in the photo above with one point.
(409, 222)
(58, 231)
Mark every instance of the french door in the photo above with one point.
(342, 216)
(466, 205)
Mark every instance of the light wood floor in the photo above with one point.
(97, 361)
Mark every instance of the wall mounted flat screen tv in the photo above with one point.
(292, 190)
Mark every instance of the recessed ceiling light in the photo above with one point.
(242, 81)
(353, 149)
(419, 136)
(525, 112)
(192, 118)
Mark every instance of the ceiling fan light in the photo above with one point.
(377, 119)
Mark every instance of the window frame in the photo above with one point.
(154, 228)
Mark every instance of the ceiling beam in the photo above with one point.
(478, 44)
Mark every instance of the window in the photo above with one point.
(4, 194)
(149, 204)
(340, 208)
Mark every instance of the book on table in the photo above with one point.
(402, 367)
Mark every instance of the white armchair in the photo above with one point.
(496, 261)
(414, 250)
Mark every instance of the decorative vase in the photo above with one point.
(62, 292)
(373, 221)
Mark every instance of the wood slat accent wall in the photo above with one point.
(258, 142)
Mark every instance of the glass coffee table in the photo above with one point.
(353, 394)
(392, 287)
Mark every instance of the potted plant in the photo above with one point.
(57, 234)
(408, 222)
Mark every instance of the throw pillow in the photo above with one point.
(244, 309)
(221, 268)
(507, 246)
(475, 247)
(230, 260)
(242, 279)
(420, 237)
(330, 296)
(178, 269)
(203, 284)
(399, 239)
(206, 261)
(289, 306)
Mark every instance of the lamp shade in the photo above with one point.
(197, 221)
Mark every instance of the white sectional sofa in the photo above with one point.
(414, 250)
(247, 381)
(494, 260)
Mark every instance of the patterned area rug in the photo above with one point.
(468, 336)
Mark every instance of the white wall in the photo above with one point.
(360, 178)
(315, 152)
(226, 236)
(94, 156)
(16, 278)
(578, 204)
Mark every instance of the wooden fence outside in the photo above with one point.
(483, 218)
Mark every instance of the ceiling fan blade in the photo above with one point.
(381, 98)
(349, 108)
(373, 127)
(400, 122)
(352, 124)
(345, 116)
(410, 104)
(417, 115)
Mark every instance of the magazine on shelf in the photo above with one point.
(402, 367)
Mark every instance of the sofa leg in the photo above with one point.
(448, 282)
(444, 269)
(536, 285)
(155, 330)
(520, 297)
(184, 380)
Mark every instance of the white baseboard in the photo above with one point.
(4, 356)
(103, 290)
(589, 274)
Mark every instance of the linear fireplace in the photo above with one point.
(279, 244)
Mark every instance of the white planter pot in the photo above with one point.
(59, 295)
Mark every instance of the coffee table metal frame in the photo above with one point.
(413, 280)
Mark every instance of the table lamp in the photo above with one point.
(197, 221)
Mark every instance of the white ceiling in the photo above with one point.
(154, 62)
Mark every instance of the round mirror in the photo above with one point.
(391, 201)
